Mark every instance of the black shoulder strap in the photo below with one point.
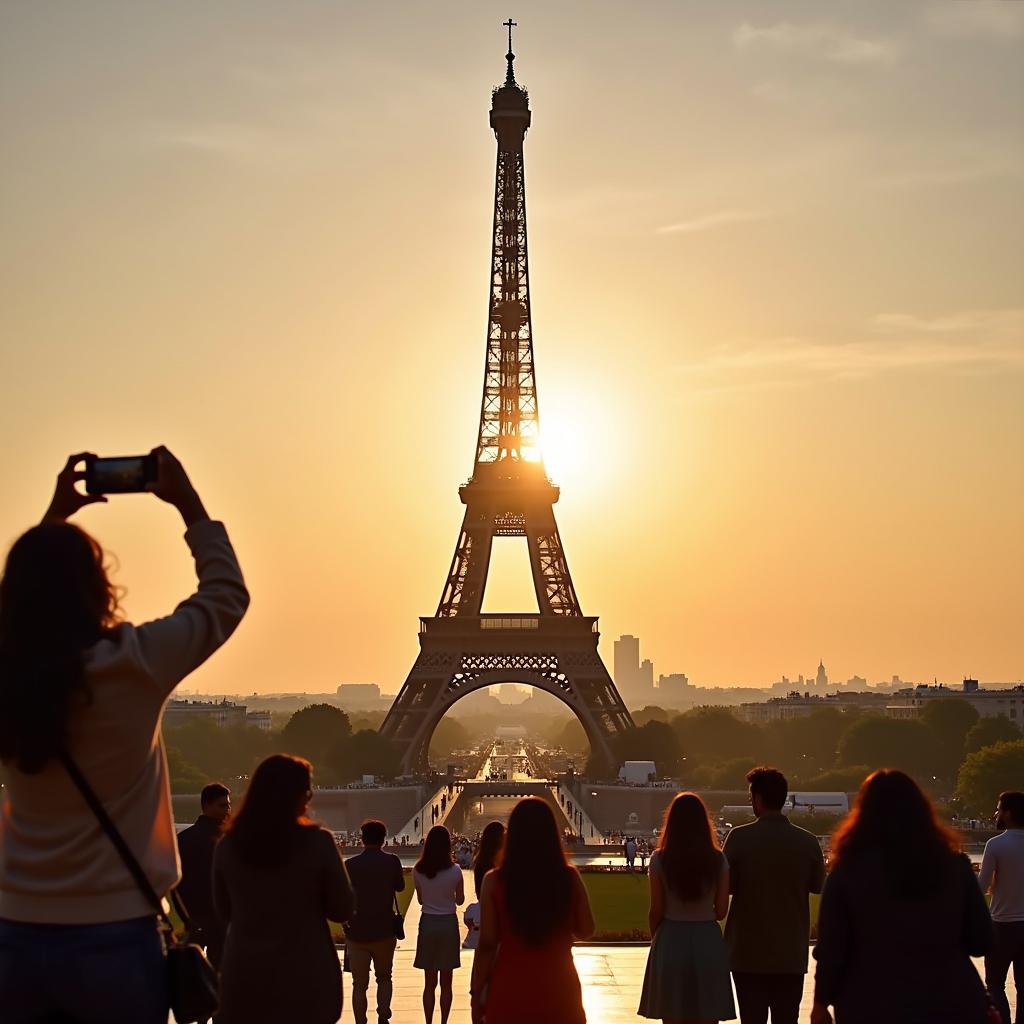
(108, 826)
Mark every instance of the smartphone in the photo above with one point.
(122, 475)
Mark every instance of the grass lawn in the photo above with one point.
(620, 902)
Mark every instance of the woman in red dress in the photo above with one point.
(532, 907)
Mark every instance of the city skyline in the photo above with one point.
(779, 327)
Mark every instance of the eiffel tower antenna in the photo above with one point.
(508, 495)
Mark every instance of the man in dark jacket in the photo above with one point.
(195, 847)
(376, 878)
(773, 868)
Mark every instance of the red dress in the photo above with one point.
(538, 984)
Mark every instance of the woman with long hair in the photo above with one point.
(901, 916)
(533, 905)
(277, 878)
(491, 841)
(439, 889)
(687, 977)
(80, 686)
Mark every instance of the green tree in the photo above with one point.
(950, 719)
(715, 735)
(363, 753)
(891, 743)
(987, 772)
(220, 753)
(807, 746)
(449, 735)
(185, 777)
(313, 730)
(731, 774)
(655, 741)
(572, 737)
(990, 730)
(838, 780)
(650, 713)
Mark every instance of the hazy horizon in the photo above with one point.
(778, 317)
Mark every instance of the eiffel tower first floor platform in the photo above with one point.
(465, 653)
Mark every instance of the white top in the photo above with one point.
(440, 894)
(1002, 871)
(56, 865)
(471, 919)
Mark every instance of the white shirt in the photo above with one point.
(438, 894)
(1002, 871)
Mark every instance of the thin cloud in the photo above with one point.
(822, 42)
(992, 19)
(979, 342)
(225, 140)
(714, 220)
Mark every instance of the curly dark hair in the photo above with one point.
(56, 601)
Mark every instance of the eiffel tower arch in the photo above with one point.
(508, 495)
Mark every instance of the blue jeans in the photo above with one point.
(82, 973)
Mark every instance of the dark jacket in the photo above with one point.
(376, 877)
(774, 866)
(195, 848)
(889, 959)
(279, 962)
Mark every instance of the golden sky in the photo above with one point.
(776, 266)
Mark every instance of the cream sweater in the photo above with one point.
(56, 865)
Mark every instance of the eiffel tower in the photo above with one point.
(508, 495)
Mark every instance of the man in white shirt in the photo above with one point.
(1002, 872)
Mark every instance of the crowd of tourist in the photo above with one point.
(87, 848)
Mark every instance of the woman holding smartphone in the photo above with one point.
(77, 680)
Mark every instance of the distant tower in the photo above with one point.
(821, 679)
(626, 664)
(463, 649)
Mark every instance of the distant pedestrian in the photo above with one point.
(687, 975)
(774, 866)
(629, 849)
(377, 878)
(1002, 871)
(277, 879)
(491, 841)
(901, 916)
(532, 908)
(440, 889)
(195, 848)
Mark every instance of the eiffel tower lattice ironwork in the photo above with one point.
(508, 495)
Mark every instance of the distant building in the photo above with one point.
(647, 674)
(820, 678)
(258, 720)
(988, 703)
(673, 690)
(359, 695)
(799, 705)
(224, 712)
(626, 663)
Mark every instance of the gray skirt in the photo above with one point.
(688, 973)
(438, 942)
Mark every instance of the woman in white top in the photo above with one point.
(75, 678)
(440, 889)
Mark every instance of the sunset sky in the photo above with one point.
(778, 303)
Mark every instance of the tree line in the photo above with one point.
(949, 749)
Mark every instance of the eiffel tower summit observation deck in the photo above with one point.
(508, 495)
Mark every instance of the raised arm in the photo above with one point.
(175, 645)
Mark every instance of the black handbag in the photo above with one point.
(399, 921)
(191, 978)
